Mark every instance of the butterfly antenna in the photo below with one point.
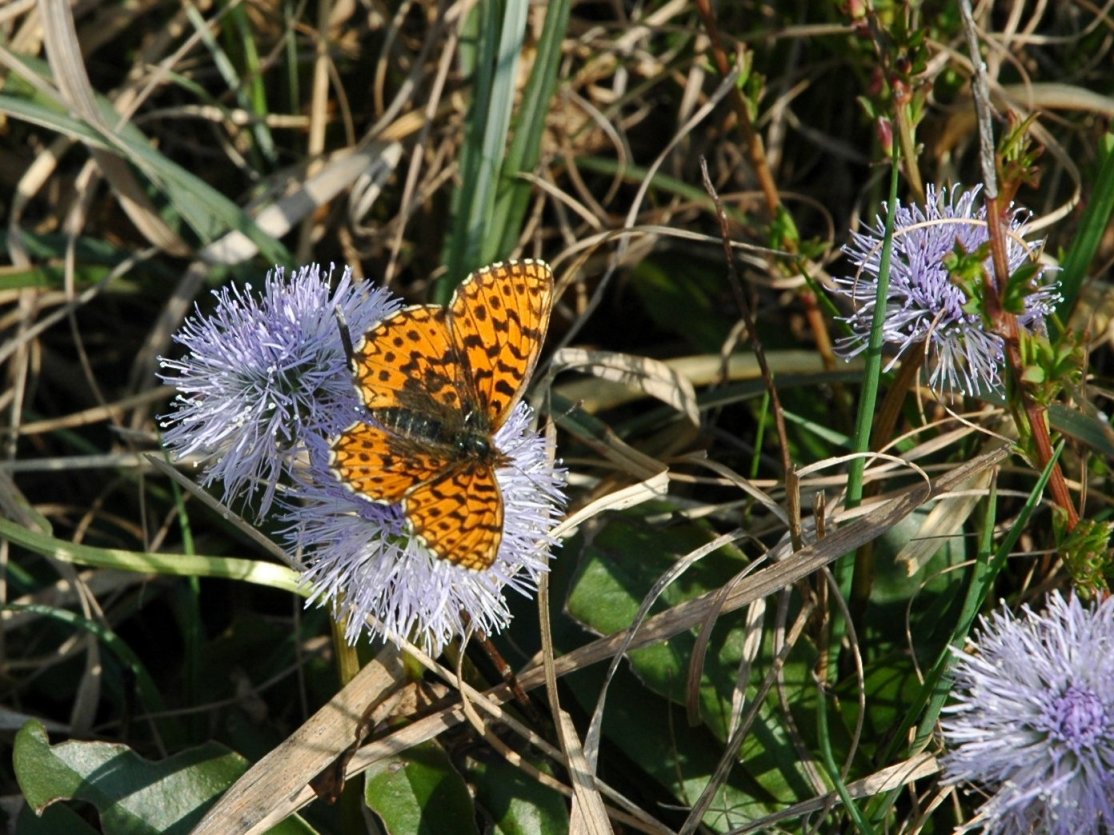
(345, 336)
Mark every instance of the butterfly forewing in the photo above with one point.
(409, 357)
(498, 318)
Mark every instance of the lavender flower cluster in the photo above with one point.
(263, 383)
(925, 308)
(1033, 720)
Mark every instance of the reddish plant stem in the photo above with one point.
(819, 326)
(886, 420)
(1005, 324)
(756, 151)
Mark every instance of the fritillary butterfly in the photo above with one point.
(438, 382)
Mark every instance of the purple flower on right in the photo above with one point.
(924, 305)
(1033, 720)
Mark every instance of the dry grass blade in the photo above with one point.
(716, 624)
(375, 162)
(780, 575)
(64, 52)
(683, 563)
(730, 753)
(655, 487)
(260, 798)
(680, 618)
(945, 520)
(887, 779)
(599, 395)
(588, 814)
(640, 374)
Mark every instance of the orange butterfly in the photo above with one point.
(438, 382)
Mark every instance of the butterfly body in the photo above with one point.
(438, 383)
(467, 439)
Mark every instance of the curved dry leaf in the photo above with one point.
(634, 374)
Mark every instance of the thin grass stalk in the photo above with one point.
(827, 757)
(250, 90)
(988, 565)
(844, 569)
(872, 373)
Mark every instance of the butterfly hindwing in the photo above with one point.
(460, 516)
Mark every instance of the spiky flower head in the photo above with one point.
(1033, 723)
(364, 563)
(926, 307)
(257, 371)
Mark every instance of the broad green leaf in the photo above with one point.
(516, 802)
(53, 820)
(1088, 428)
(419, 791)
(674, 762)
(620, 566)
(131, 794)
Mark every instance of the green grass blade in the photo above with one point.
(498, 44)
(250, 571)
(208, 212)
(1092, 227)
(513, 195)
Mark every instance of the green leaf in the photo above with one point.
(131, 794)
(52, 821)
(419, 791)
(499, 30)
(652, 735)
(517, 803)
(621, 564)
(1087, 428)
(1093, 226)
(683, 298)
(205, 209)
(515, 192)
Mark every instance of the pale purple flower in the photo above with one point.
(1033, 724)
(258, 373)
(363, 562)
(924, 304)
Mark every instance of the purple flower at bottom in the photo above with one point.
(364, 563)
(925, 305)
(259, 374)
(1034, 719)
